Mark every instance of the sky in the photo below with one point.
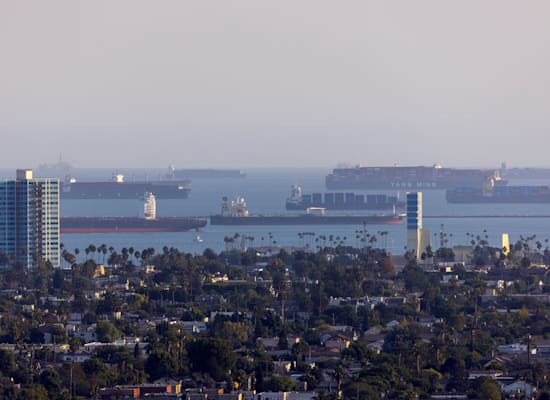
(286, 83)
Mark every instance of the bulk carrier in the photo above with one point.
(150, 222)
(406, 178)
(118, 188)
(341, 201)
(236, 213)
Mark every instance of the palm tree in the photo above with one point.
(63, 256)
(103, 249)
(124, 252)
(92, 249)
(137, 256)
(301, 237)
(69, 257)
(74, 344)
(229, 242)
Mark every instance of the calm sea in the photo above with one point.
(265, 191)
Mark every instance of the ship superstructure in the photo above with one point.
(150, 206)
(235, 207)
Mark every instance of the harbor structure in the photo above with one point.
(29, 220)
(418, 239)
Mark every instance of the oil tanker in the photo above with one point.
(203, 173)
(120, 189)
(236, 213)
(150, 222)
(341, 201)
(406, 178)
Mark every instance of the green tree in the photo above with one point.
(235, 332)
(280, 384)
(94, 366)
(486, 388)
(7, 362)
(52, 383)
(34, 392)
(107, 332)
(160, 364)
(212, 356)
(7, 388)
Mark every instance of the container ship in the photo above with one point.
(524, 172)
(341, 201)
(406, 178)
(236, 213)
(199, 173)
(119, 189)
(499, 194)
(150, 222)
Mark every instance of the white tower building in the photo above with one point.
(417, 237)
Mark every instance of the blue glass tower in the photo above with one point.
(414, 211)
(29, 220)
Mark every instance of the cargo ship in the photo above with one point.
(341, 201)
(236, 213)
(58, 170)
(150, 222)
(499, 194)
(117, 188)
(406, 178)
(524, 172)
(200, 173)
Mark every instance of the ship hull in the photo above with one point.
(129, 224)
(126, 190)
(307, 220)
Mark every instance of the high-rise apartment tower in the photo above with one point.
(29, 220)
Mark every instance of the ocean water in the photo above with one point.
(266, 190)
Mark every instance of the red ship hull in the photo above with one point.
(129, 224)
(122, 230)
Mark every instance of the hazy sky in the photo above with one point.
(129, 83)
